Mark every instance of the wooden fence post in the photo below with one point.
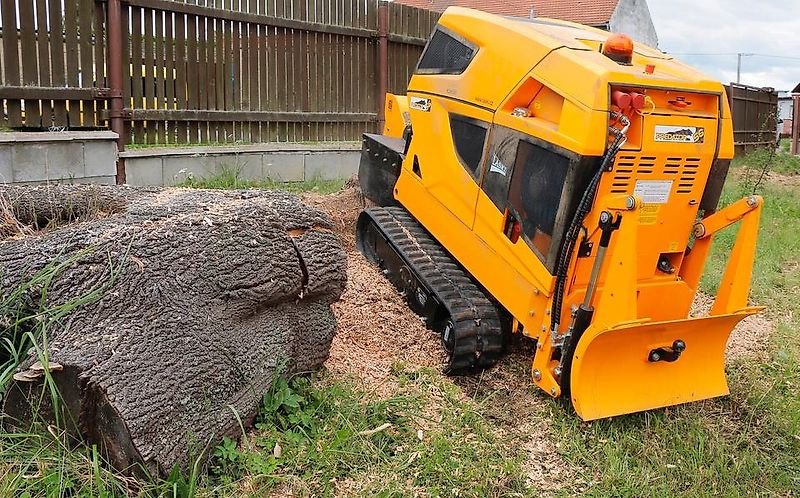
(383, 61)
(114, 29)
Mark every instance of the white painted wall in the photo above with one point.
(632, 17)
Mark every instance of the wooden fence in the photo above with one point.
(755, 114)
(211, 71)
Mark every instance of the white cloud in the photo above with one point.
(766, 27)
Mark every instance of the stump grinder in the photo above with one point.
(553, 180)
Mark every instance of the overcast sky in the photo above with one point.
(764, 27)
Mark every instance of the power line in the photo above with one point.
(716, 54)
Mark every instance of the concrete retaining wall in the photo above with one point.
(278, 162)
(40, 157)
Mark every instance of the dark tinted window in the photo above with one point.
(499, 166)
(445, 55)
(535, 192)
(469, 137)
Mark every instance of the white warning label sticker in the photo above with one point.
(653, 191)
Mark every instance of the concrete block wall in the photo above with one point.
(278, 162)
(46, 157)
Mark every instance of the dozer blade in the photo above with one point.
(614, 372)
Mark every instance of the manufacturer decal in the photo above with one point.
(420, 104)
(497, 166)
(679, 134)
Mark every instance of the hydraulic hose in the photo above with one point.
(584, 206)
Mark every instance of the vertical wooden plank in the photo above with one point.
(137, 90)
(11, 61)
(100, 43)
(148, 62)
(169, 73)
(233, 73)
(43, 48)
(264, 39)
(313, 74)
(281, 64)
(194, 63)
(30, 73)
(268, 61)
(87, 76)
(72, 56)
(253, 76)
(231, 54)
(59, 75)
(202, 76)
(160, 73)
(181, 79)
(219, 74)
(297, 80)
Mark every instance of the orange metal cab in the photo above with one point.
(545, 83)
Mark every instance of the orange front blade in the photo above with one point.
(611, 374)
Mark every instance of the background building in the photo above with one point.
(620, 16)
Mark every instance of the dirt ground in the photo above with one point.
(376, 330)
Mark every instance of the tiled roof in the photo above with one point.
(591, 12)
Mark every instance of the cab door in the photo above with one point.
(447, 152)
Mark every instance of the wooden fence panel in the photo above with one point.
(409, 29)
(754, 112)
(207, 71)
(52, 64)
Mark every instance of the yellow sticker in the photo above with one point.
(648, 214)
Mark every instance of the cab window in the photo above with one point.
(469, 138)
(536, 191)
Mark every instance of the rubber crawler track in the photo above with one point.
(477, 327)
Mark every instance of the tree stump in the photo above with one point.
(195, 300)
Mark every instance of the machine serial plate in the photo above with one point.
(653, 191)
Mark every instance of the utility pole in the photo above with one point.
(739, 65)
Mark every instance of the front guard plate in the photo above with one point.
(611, 374)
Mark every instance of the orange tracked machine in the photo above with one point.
(544, 178)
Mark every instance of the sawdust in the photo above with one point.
(748, 340)
(376, 329)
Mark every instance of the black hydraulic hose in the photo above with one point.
(573, 231)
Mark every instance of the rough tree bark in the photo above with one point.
(206, 295)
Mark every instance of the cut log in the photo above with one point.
(202, 298)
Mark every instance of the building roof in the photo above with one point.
(591, 12)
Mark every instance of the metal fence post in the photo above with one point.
(383, 61)
(114, 29)
(795, 123)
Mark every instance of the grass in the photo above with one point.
(778, 161)
(230, 179)
(327, 436)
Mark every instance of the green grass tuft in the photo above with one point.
(230, 179)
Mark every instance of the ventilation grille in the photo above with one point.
(628, 168)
